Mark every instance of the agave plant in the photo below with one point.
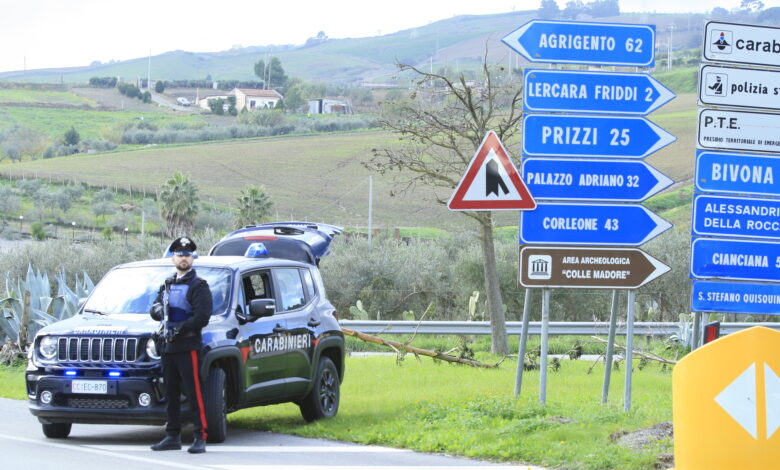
(43, 308)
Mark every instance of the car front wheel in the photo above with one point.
(57, 430)
(322, 401)
(216, 406)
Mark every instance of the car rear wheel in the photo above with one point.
(322, 401)
(56, 430)
(216, 406)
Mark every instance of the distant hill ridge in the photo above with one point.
(459, 42)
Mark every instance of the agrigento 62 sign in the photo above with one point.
(587, 267)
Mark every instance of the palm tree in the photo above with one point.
(254, 206)
(179, 205)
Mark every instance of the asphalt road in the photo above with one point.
(22, 445)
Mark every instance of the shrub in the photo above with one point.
(96, 145)
(159, 86)
(37, 232)
(103, 82)
(60, 149)
(214, 219)
(71, 137)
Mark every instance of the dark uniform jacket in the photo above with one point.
(189, 310)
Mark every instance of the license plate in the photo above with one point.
(89, 386)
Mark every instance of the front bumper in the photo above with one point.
(119, 406)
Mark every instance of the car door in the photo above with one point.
(295, 304)
(264, 373)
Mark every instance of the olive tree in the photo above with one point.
(441, 126)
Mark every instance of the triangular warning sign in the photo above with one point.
(491, 182)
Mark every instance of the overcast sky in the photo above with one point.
(62, 33)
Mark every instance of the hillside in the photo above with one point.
(458, 42)
(312, 177)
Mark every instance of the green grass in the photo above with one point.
(47, 97)
(91, 124)
(680, 80)
(318, 177)
(458, 410)
(12, 382)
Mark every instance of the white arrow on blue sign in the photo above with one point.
(745, 260)
(555, 135)
(592, 180)
(593, 92)
(723, 216)
(573, 42)
(737, 173)
(735, 297)
(594, 224)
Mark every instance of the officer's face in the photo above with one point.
(182, 263)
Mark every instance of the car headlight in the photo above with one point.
(48, 347)
(151, 349)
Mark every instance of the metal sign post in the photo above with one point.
(523, 343)
(629, 349)
(610, 347)
(543, 353)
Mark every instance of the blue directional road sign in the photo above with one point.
(745, 260)
(592, 180)
(555, 135)
(735, 297)
(737, 173)
(594, 224)
(593, 92)
(572, 42)
(722, 216)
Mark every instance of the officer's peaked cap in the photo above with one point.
(182, 245)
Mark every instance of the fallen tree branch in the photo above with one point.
(651, 357)
(416, 351)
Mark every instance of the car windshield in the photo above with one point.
(132, 290)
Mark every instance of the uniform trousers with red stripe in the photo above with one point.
(183, 368)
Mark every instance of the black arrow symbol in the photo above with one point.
(493, 180)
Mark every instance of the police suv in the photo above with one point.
(273, 337)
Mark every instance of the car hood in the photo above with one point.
(89, 324)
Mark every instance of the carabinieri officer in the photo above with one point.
(184, 305)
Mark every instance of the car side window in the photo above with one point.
(257, 285)
(291, 293)
(309, 283)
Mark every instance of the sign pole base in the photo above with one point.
(543, 353)
(629, 348)
(523, 343)
(610, 346)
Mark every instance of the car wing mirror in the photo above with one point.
(259, 308)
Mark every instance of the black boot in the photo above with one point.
(169, 443)
(198, 446)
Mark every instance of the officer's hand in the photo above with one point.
(172, 330)
(157, 311)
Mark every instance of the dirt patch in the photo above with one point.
(642, 438)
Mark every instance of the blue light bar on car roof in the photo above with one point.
(256, 250)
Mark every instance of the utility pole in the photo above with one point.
(669, 55)
(149, 72)
(370, 203)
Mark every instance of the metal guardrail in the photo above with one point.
(534, 328)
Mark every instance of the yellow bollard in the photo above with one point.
(726, 404)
